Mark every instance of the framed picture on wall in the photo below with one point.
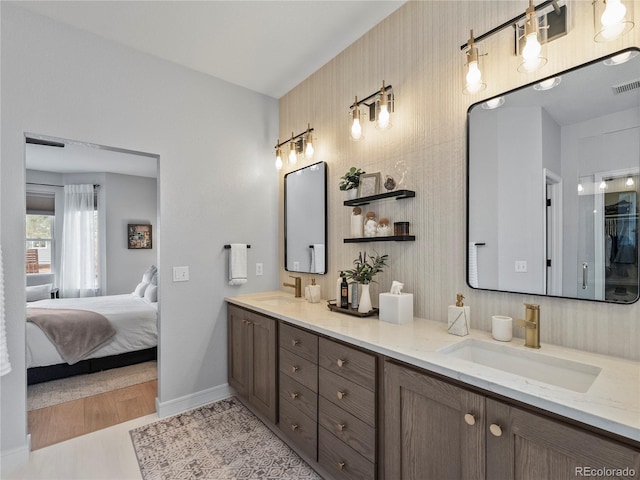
(369, 184)
(138, 236)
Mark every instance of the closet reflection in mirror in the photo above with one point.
(305, 219)
(553, 184)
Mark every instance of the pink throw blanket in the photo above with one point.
(75, 333)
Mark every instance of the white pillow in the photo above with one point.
(146, 277)
(154, 279)
(151, 294)
(140, 289)
(39, 292)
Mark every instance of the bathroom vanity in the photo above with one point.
(360, 398)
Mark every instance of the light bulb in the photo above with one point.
(612, 19)
(580, 187)
(383, 117)
(356, 129)
(629, 182)
(531, 52)
(474, 78)
(308, 151)
(279, 161)
(293, 158)
(603, 185)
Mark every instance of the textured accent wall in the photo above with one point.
(416, 50)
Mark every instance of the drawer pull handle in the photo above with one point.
(294, 369)
(295, 343)
(341, 465)
(341, 426)
(470, 419)
(294, 395)
(495, 430)
(294, 426)
(341, 363)
(341, 395)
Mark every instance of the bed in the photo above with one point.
(133, 317)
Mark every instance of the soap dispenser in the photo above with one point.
(459, 318)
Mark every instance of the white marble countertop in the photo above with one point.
(612, 403)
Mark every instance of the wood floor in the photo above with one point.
(71, 419)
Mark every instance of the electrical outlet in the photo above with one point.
(180, 274)
(296, 266)
(521, 266)
(258, 269)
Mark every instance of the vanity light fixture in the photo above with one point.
(532, 58)
(380, 105)
(603, 185)
(303, 142)
(474, 83)
(629, 182)
(547, 84)
(612, 19)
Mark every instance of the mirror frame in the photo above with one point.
(324, 219)
(468, 179)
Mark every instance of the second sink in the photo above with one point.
(560, 372)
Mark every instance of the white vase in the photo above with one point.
(352, 193)
(365, 299)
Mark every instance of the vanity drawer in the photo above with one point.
(357, 366)
(299, 395)
(349, 429)
(349, 396)
(300, 369)
(341, 460)
(303, 344)
(302, 430)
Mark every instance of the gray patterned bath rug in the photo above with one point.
(222, 440)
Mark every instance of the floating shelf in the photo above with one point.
(392, 238)
(398, 194)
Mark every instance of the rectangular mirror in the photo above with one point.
(305, 219)
(553, 183)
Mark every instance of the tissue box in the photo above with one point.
(396, 308)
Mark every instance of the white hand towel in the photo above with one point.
(238, 264)
(473, 265)
(317, 258)
(5, 365)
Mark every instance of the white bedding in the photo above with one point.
(134, 319)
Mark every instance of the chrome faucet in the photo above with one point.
(531, 324)
(297, 285)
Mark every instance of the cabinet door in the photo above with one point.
(239, 355)
(426, 433)
(522, 445)
(263, 392)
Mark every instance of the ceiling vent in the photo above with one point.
(626, 87)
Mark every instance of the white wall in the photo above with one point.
(217, 185)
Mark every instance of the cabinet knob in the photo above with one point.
(341, 362)
(294, 369)
(495, 429)
(341, 395)
(294, 426)
(294, 395)
(470, 419)
(295, 343)
(341, 465)
(341, 426)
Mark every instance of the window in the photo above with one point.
(40, 244)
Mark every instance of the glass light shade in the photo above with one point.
(629, 182)
(603, 185)
(356, 129)
(384, 118)
(612, 19)
(309, 150)
(279, 162)
(474, 79)
(293, 157)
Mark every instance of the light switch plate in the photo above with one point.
(180, 274)
(521, 266)
(258, 269)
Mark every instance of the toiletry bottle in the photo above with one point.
(344, 293)
(314, 292)
(339, 289)
(459, 318)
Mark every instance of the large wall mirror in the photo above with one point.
(553, 185)
(305, 219)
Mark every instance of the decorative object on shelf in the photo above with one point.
(365, 269)
(384, 230)
(459, 318)
(357, 222)
(389, 183)
(380, 105)
(370, 225)
(138, 236)
(369, 184)
(350, 181)
(400, 228)
(303, 142)
(395, 306)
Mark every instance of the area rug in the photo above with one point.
(222, 440)
(46, 394)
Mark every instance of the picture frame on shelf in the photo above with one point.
(139, 236)
(369, 184)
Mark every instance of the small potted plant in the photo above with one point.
(349, 181)
(366, 267)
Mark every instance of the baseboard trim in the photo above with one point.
(194, 400)
(16, 457)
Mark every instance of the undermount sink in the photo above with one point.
(278, 301)
(533, 365)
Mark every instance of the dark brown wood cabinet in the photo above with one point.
(434, 429)
(252, 361)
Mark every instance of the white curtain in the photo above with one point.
(5, 365)
(78, 276)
